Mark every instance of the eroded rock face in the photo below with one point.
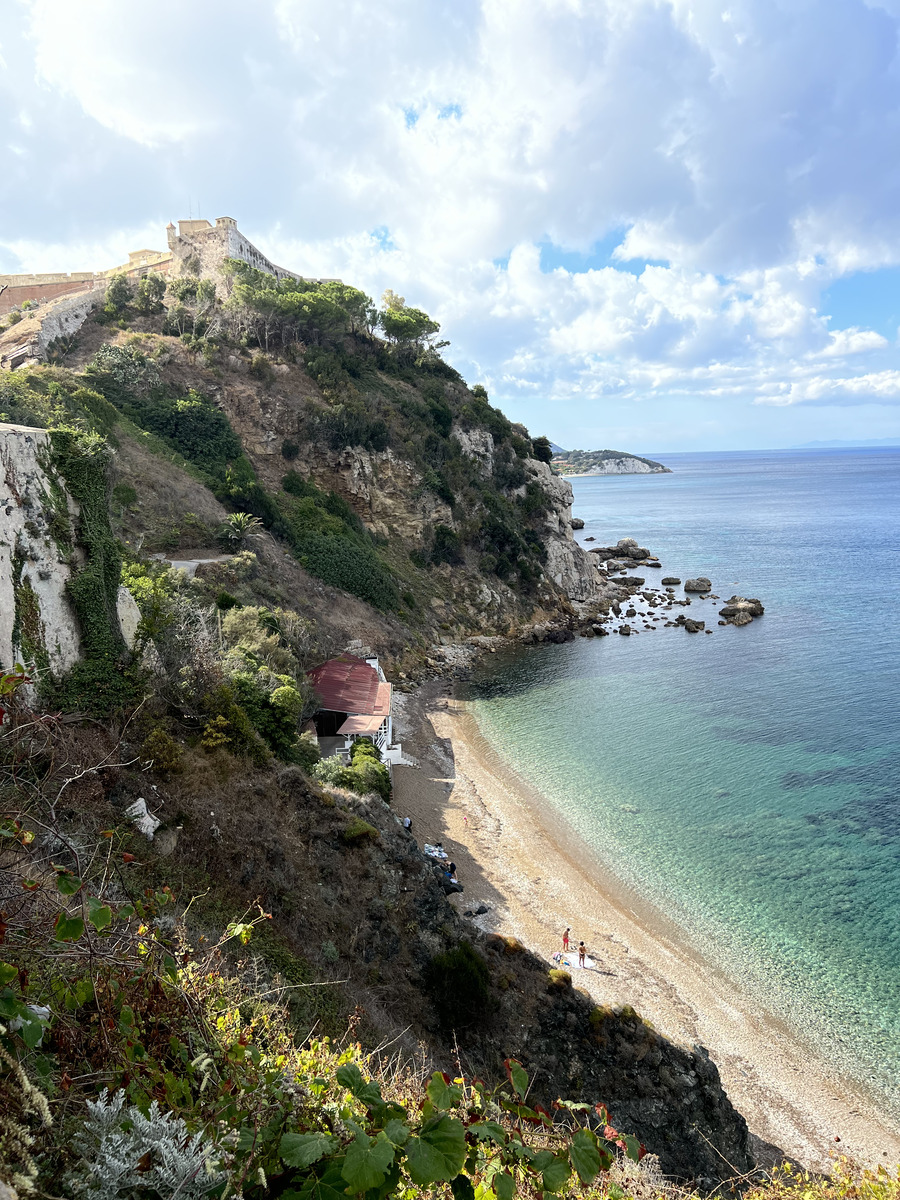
(477, 444)
(567, 563)
(38, 626)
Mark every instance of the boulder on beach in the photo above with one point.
(670, 581)
(700, 584)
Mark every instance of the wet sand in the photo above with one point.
(529, 871)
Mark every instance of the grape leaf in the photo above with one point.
(438, 1153)
(585, 1155)
(367, 1162)
(302, 1149)
(68, 929)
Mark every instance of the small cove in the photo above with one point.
(744, 783)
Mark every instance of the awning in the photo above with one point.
(361, 724)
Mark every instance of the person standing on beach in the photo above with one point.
(582, 954)
(566, 939)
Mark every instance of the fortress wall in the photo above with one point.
(16, 294)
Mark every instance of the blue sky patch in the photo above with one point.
(868, 299)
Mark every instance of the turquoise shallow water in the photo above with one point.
(746, 783)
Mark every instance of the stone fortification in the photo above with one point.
(199, 247)
(195, 247)
(29, 341)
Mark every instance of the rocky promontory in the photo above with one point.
(605, 462)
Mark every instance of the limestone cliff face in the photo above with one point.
(39, 553)
(36, 620)
(570, 568)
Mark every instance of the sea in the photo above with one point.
(747, 783)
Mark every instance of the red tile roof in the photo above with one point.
(347, 684)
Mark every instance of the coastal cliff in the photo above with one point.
(320, 502)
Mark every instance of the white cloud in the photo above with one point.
(745, 152)
(853, 341)
(881, 387)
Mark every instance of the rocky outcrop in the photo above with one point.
(700, 584)
(624, 549)
(477, 444)
(740, 611)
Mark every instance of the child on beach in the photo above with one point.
(582, 954)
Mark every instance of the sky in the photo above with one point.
(643, 224)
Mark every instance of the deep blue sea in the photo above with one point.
(746, 783)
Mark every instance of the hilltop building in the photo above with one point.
(196, 246)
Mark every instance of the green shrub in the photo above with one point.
(542, 451)
(262, 369)
(446, 547)
(162, 749)
(274, 714)
(359, 831)
(559, 980)
(228, 726)
(124, 494)
(289, 450)
(458, 982)
(305, 752)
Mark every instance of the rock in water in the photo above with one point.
(700, 584)
(670, 581)
(625, 630)
(740, 611)
(577, 523)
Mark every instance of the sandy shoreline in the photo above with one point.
(534, 883)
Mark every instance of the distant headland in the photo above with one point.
(604, 462)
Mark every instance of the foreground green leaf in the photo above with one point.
(585, 1155)
(438, 1153)
(68, 929)
(367, 1163)
(303, 1149)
